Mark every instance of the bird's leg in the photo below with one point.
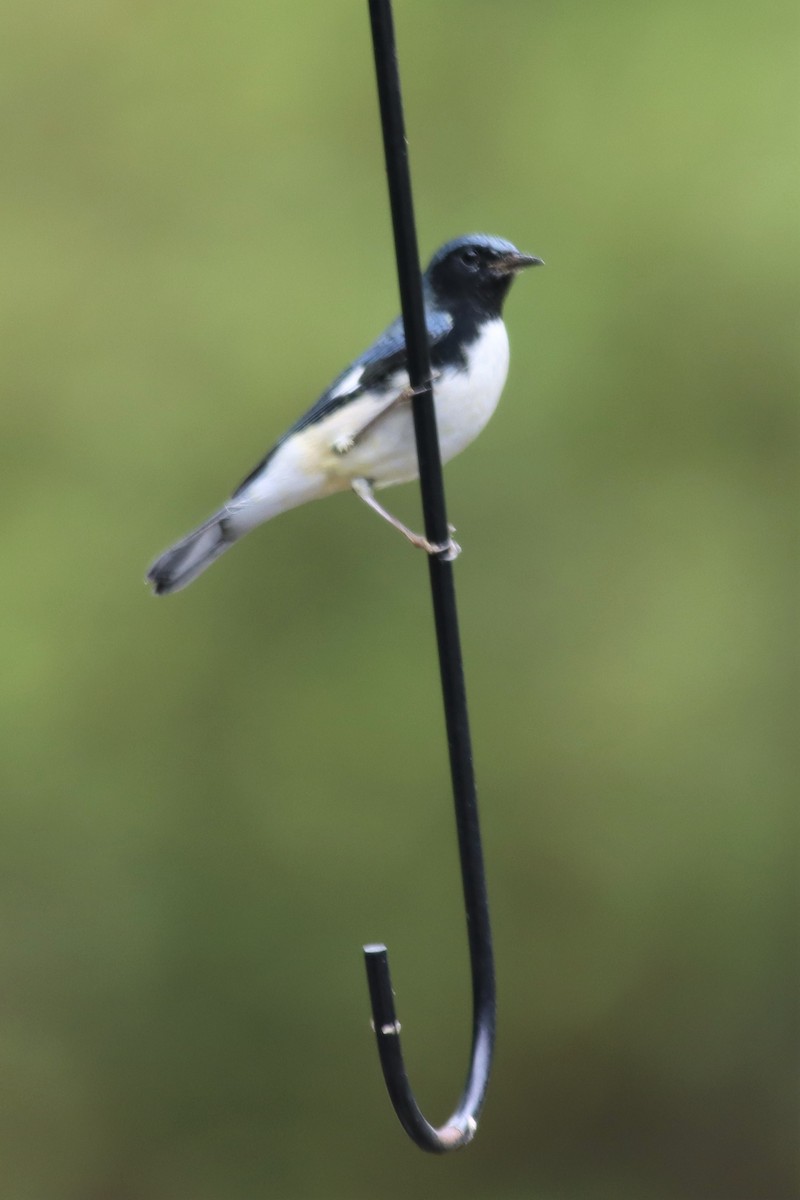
(345, 444)
(448, 551)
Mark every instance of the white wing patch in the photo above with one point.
(348, 384)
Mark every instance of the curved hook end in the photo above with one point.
(461, 1127)
(384, 1017)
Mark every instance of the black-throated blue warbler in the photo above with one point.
(360, 433)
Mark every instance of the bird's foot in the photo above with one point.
(448, 551)
(347, 441)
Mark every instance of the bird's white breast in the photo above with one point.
(307, 465)
(465, 398)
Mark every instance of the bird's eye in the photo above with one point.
(470, 258)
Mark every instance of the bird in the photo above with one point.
(359, 434)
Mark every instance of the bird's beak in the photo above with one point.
(515, 261)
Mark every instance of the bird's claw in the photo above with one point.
(410, 392)
(344, 444)
(448, 551)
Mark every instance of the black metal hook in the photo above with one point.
(460, 1127)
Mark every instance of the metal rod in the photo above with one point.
(460, 1127)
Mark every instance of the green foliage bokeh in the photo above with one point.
(210, 802)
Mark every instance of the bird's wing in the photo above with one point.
(384, 358)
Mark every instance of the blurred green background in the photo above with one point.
(210, 802)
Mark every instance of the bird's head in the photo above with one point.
(476, 269)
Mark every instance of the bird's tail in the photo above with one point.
(188, 558)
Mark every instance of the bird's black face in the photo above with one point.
(476, 271)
